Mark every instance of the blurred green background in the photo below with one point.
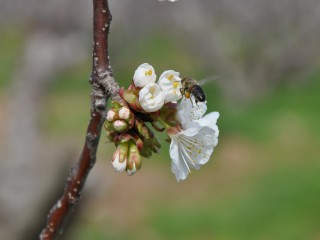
(263, 179)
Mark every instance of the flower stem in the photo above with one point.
(164, 123)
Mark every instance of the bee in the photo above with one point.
(191, 87)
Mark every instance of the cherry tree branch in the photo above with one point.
(103, 87)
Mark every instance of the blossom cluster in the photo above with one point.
(192, 134)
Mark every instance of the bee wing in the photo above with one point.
(208, 80)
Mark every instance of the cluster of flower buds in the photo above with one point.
(131, 136)
(148, 101)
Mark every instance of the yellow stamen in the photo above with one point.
(170, 77)
(152, 90)
(187, 95)
(148, 73)
(176, 84)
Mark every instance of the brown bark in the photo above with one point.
(103, 86)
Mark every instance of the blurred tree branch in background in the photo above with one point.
(103, 86)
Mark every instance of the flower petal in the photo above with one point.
(189, 111)
(170, 84)
(210, 120)
(151, 97)
(143, 75)
(179, 165)
(191, 148)
(199, 144)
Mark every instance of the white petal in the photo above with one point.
(189, 111)
(167, 73)
(196, 110)
(191, 148)
(179, 165)
(132, 171)
(142, 75)
(199, 144)
(171, 92)
(170, 84)
(151, 97)
(210, 120)
(117, 165)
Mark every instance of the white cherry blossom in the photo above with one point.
(151, 97)
(192, 146)
(143, 75)
(170, 84)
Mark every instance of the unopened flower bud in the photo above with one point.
(131, 97)
(142, 129)
(108, 126)
(134, 160)
(123, 137)
(119, 158)
(143, 75)
(111, 115)
(146, 152)
(111, 134)
(131, 121)
(139, 143)
(120, 125)
(124, 113)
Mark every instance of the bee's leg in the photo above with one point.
(192, 102)
(182, 91)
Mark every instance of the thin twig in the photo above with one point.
(103, 86)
